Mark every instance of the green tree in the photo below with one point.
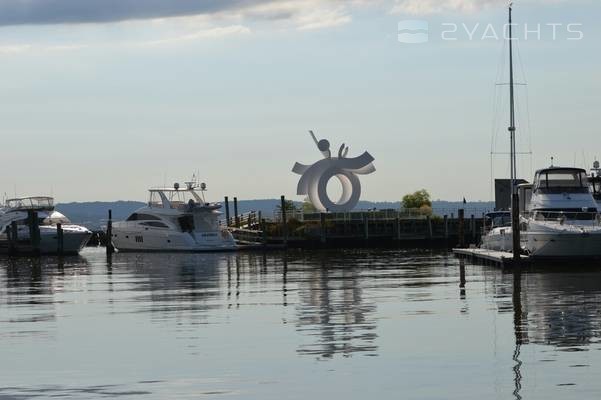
(289, 206)
(308, 206)
(418, 200)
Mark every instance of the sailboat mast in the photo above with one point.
(512, 128)
(515, 203)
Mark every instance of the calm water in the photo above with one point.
(319, 325)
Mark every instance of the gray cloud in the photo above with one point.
(35, 12)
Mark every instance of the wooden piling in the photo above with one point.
(461, 228)
(110, 249)
(236, 217)
(429, 221)
(323, 228)
(34, 230)
(397, 228)
(284, 220)
(263, 233)
(473, 228)
(446, 226)
(365, 226)
(227, 211)
(13, 237)
(60, 239)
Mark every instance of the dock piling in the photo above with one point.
(322, 225)
(227, 211)
(284, 220)
(446, 226)
(236, 216)
(365, 226)
(473, 228)
(13, 237)
(110, 249)
(34, 231)
(429, 221)
(461, 228)
(60, 239)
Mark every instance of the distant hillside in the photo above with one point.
(94, 214)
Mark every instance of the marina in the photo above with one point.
(292, 199)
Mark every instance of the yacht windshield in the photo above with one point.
(562, 181)
(31, 203)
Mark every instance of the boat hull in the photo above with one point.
(74, 240)
(169, 241)
(562, 245)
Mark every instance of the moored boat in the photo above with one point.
(16, 227)
(175, 219)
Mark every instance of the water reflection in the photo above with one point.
(333, 311)
(212, 322)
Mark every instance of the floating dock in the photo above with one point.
(502, 259)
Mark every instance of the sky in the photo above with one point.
(102, 99)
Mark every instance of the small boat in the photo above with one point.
(497, 231)
(175, 219)
(20, 211)
(561, 219)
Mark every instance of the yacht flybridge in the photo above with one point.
(19, 211)
(175, 219)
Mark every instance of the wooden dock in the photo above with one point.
(491, 257)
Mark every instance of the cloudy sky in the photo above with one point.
(104, 98)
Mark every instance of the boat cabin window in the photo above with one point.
(155, 224)
(142, 217)
(562, 181)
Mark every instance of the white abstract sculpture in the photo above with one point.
(314, 178)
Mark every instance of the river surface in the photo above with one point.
(353, 324)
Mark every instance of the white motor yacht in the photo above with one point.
(175, 219)
(19, 210)
(561, 219)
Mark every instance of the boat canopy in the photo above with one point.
(561, 180)
(174, 198)
(31, 203)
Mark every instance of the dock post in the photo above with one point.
(34, 231)
(227, 211)
(236, 217)
(263, 233)
(446, 226)
(322, 225)
(473, 228)
(462, 279)
(109, 235)
(365, 226)
(284, 220)
(60, 239)
(461, 228)
(429, 221)
(397, 228)
(14, 237)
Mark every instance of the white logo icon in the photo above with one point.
(314, 178)
(414, 31)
